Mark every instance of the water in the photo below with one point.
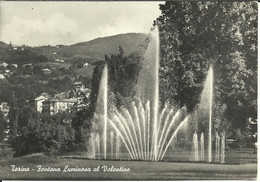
(145, 131)
(205, 108)
(145, 128)
(195, 147)
(210, 80)
(202, 151)
(130, 124)
(217, 145)
(112, 144)
(223, 138)
(105, 109)
(117, 146)
(98, 146)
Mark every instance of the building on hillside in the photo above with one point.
(80, 93)
(4, 107)
(55, 105)
(46, 71)
(15, 65)
(61, 95)
(73, 100)
(2, 76)
(78, 86)
(4, 64)
(39, 100)
(85, 65)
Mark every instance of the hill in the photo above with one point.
(98, 48)
(94, 50)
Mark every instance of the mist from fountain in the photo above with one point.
(223, 138)
(112, 144)
(205, 107)
(195, 147)
(217, 146)
(98, 145)
(202, 151)
(117, 146)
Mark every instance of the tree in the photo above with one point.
(123, 74)
(13, 116)
(82, 120)
(3, 127)
(195, 35)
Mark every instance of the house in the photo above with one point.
(4, 64)
(85, 65)
(2, 76)
(78, 86)
(46, 71)
(55, 105)
(39, 100)
(28, 65)
(4, 107)
(15, 65)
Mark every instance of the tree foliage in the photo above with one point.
(195, 35)
(123, 74)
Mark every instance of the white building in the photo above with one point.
(39, 100)
(2, 76)
(53, 106)
(4, 64)
(85, 65)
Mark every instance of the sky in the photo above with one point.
(52, 23)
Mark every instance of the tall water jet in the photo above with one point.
(205, 108)
(101, 110)
(93, 145)
(210, 77)
(202, 152)
(217, 145)
(156, 88)
(104, 81)
(150, 92)
(117, 146)
(98, 145)
(112, 144)
(195, 147)
(223, 138)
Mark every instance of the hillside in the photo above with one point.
(93, 50)
(98, 48)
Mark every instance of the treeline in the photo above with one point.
(195, 35)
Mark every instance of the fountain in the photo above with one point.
(146, 130)
(205, 108)
(112, 144)
(210, 77)
(222, 158)
(202, 147)
(117, 146)
(98, 145)
(195, 147)
(217, 145)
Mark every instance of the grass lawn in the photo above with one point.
(138, 169)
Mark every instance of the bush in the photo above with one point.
(46, 134)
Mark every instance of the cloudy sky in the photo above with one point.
(52, 23)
